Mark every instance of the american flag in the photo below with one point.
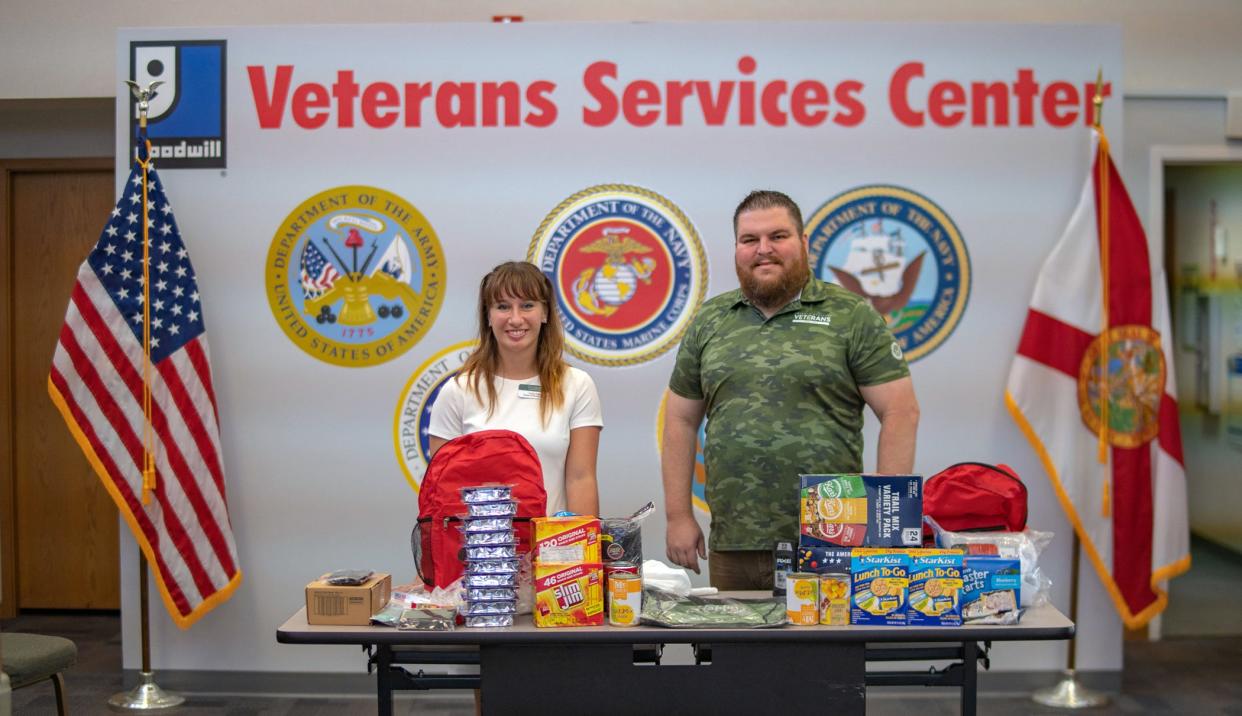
(97, 383)
(318, 274)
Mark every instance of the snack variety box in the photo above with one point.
(879, 584)
(824, 560)
(935, 593)
(567, 539)
(861, 510)
(990, 586)
(568, 595)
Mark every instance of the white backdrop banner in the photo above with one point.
(343, 190)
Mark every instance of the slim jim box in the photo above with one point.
(347, 605)
(567, 539)
(568, 594)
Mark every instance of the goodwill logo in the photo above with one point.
(628, 269)
(901, 252)
(411, 423)
(355, 276)
(186, 118)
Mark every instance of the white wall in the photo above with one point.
(1179, 61)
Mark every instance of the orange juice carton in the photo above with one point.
(567, 539)
(568, 595)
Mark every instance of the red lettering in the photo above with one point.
(376, 97)
(493, 94)
(593, 82)
(854, 111)
(714, 109)
(639, 94)
(345, 90)
(769, 103)
(898, 90)
(460, 115)
(270, 105)
(307, 97)
(415, 93)
(980, 94)
(806, 95)
(746, 92)
(1026, 88)
(677, 94)
(538, 95)
(945, 95)
(1058, 96)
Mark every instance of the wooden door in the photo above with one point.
(65, 545)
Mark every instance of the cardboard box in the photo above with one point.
(879, 580)
(347, 605)
(833, 512)
(568, 595)
(567, 539)
(935, 587)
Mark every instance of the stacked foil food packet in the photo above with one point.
(491, 556)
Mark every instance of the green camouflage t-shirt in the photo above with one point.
(782, 399)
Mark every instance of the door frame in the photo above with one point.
(8, 417)
(1161, 156)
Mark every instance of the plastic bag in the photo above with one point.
(621, 538)
(659, 575)
(666, 609)
(1026, 546)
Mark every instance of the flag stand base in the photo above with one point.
(147, 696)
(1069, 694)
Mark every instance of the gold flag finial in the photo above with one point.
(1097, 101)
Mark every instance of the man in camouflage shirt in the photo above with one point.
(781, 367)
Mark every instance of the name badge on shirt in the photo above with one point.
(529, 391)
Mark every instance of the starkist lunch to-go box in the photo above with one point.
(935, 592)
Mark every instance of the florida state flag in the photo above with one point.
(1093, 389)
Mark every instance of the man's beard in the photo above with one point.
(775, 292)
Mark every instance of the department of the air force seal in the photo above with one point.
(629, 272)
(1134, 385)
(413, 416)
(897, 249)
(355, 276)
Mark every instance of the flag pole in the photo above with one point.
(147, 695)
(1069, 693)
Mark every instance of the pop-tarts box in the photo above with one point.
(824, 560)
(990, 586)
(892, 516)
(879, 582)
(935, 597)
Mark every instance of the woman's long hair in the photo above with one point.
(522, 281)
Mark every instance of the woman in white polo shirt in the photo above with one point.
(516, 379)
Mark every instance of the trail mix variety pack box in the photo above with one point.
(861, 510)
(935, 592)
(879, 583)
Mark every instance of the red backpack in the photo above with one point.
(975, 497)
(486, 457)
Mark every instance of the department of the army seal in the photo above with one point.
(900, 251)
(355, 276)
(629, 272)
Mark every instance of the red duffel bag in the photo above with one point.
(975, 497)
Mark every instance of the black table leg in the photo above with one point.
(970, 677)
(383, 679)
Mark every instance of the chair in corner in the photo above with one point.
(31, 658)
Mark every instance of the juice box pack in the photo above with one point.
(568, 595)
(566, 539)
(861, 510)
(935, 593)
(879, 583)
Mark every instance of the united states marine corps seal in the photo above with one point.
(629, 272)
(410, 424)
(355, 276)
(901, 252)
(1130, 381)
